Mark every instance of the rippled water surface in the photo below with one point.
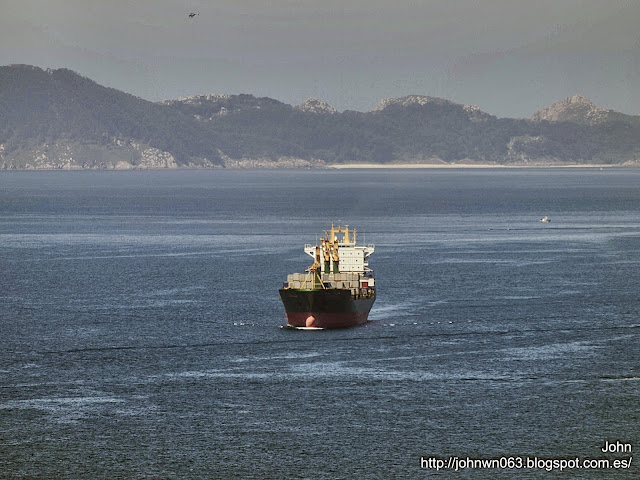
(140, 324)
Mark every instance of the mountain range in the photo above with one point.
(58, 119)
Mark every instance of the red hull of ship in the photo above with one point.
(326, 320)
(331, 308)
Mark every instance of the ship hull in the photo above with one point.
(330, 308)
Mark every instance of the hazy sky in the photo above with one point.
(509, 57)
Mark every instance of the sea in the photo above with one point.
(140, 325)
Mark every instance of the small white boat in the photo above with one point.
(545, 219)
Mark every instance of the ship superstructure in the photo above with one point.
(337, 290)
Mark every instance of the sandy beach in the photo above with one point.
(462, 165)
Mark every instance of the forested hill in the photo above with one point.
(59, 119)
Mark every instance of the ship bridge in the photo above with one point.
(338, 252)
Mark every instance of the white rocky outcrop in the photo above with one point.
(269, 163)
(315, 105)
(573, 109)
(121, 155)
(198, 99)
(410, 100)
(156, 158)
(473, 111)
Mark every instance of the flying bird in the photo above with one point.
(191, 15)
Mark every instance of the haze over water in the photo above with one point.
(141, 334)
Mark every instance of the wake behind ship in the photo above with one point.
(337, 290)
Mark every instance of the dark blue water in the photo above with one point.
(140, 324)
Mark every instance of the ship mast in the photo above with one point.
(315, 269)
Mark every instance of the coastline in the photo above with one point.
(306, 165)
(466, 165)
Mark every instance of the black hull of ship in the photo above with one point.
(325, 308)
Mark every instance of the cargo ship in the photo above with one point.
(337, 290)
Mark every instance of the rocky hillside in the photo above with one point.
(576, 109)
(57, 119)
(474, 113)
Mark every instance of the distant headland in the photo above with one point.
(57, 119)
